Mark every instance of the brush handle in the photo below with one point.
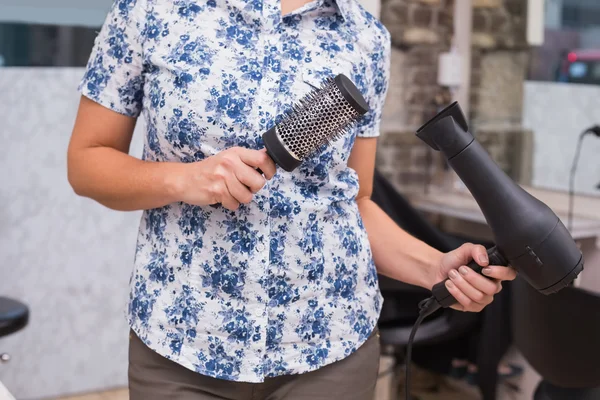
(441, 293)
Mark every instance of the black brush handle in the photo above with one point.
(440, 291)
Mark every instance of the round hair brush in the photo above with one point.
(323, 115)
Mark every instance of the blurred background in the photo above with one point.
(527, 73)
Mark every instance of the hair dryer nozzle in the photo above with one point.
(447, 132)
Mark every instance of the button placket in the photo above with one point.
(266, 87)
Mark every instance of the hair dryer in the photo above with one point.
(527, 234)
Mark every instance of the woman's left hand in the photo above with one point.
(472, 290)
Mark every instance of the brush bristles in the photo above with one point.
(320, 117)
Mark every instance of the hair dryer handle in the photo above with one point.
(441, 293)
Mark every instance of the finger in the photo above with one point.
(498, 287)
(249, 177)
(238, 191)
(461, 298)
(267, 165)
(480, 255)
(473, 293)
(500, 273)
(260, 160)
(479, 282)
(470, 251)
(225, 198)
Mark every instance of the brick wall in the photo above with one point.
(499, 61)
(421, 30)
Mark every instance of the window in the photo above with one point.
(580, 16)
(571, 49)
(25, 45)
(49, 33)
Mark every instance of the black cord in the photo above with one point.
(596, 131)
(426, 308)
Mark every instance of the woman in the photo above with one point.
(248, 286)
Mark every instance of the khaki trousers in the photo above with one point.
(153, 377)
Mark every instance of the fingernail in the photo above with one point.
(487, 271)
(483, 258)
(449, 284)
(464, 270)
(453, 274)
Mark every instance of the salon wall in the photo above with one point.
(66, 257)
(557, 113)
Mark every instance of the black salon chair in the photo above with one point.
(14, 316)
(559, 336)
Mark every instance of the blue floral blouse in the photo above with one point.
(286, 284)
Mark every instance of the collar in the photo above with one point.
(344, 6)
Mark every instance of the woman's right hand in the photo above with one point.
(229, 178)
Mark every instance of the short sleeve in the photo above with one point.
(378, 83)
(114, 72)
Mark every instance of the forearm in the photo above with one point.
(397, 254)
(120, 181)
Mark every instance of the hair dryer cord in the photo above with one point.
(592, 130)
(426, 308)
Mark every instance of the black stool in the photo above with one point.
(14, 316)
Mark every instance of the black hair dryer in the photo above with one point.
(528, 235)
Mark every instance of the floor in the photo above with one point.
(118, 394)
(431, 387)
(425, 385)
